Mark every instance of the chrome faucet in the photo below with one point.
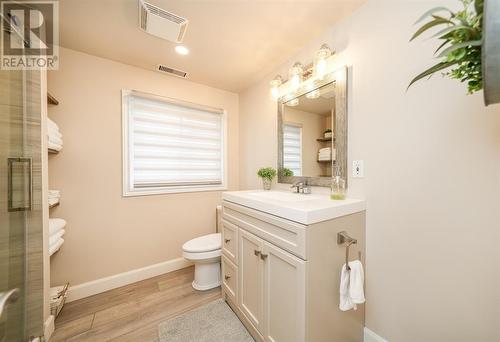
(301, 188)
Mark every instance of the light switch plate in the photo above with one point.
(358, 169)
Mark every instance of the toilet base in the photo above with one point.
(206, 276)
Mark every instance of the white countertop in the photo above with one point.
(305, 209)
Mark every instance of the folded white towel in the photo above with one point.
(53, 201)
(55, 140)
(54, 192)
(351, 286)
(56, 236)
(55, 225)
(54, 147)
(55, 248)
(325, 149)
(51, 125)
(52, 133)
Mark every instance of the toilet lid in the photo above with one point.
(206, 243)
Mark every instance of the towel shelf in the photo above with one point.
(52, 100)
(53, 205)
(51, 151)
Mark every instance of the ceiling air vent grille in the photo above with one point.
(171, 71)
(161, 23)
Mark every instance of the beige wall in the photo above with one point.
(106, 233)
(432, 178)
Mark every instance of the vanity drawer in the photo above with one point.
(229, 279)
(288, 235)
(230, 241)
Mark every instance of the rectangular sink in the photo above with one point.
(305, 209)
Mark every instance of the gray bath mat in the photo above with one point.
(214, 322)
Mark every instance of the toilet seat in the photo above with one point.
(202, 244)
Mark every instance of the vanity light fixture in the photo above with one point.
(320, 62)
(293, 103)
(181, 50)
(295, 75)
(303, 80)
(275, 87)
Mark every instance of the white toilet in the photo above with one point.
(205, 252)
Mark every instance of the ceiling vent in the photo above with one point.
(171, 71)
(161, 23)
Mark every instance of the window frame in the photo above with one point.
(128, 189)
(297, 125)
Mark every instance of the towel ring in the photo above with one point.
(344, 239)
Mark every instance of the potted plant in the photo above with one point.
(267, 174)
(461, 40)
(287, 172)
(470, 45)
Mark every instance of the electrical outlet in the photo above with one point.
(358, 169)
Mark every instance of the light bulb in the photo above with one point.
(313, 94)
(293, 103)
(320, 61)
(295, 75)
(275, 87)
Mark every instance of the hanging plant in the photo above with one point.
(460, 49)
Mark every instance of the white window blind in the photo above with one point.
(292, 148)
(172, 145)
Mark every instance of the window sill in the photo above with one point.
(163, 191)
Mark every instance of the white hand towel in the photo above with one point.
(345, 300)
(55, 237)
(351, 286)
(356, 282)
(55, 225)
(54, 147)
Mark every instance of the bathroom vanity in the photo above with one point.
(281, 264)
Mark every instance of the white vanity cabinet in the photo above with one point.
(282, 277)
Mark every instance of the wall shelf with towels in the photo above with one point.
(53, 205)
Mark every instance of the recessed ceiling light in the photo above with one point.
(181, 50)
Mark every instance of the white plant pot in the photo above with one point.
(491, 52)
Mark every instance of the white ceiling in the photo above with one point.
(233, 43)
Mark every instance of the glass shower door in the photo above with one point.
(21, 239)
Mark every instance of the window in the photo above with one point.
(292, 147)
(171, 146)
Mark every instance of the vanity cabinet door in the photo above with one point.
(230, 241)
(284, 295)
(251, 282)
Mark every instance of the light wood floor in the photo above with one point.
(132, 312)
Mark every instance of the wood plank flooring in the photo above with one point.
(133, 312)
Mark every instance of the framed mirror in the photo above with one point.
(312, 132)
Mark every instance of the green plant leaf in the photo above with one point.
(454, 47)
(432, 11)
(441, 46)
(427, 26)
(432, 70)
(451, 29)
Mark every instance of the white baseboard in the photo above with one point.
(370, 336)
(48, 327)
(112, 282)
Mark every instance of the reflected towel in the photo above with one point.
(54, 248)
(351, 286)
(55, 225)
(55, 237)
